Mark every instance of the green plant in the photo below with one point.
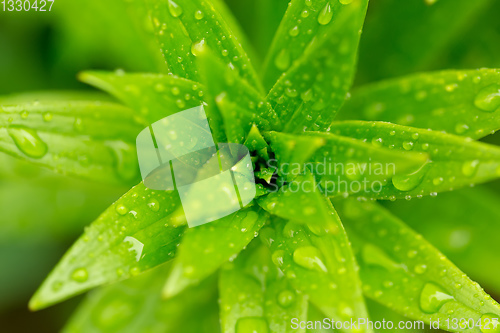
(287, 255)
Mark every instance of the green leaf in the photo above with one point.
(300, 201)
(135, 305)
(320, 263)
(205, 248)
(121, 35)
(342, 165)
(315, 84)
(91, 139)
(153, 96)
(454, 161)
(467, 234)
(402, 37)
(239, 105)
(402, 271)
(184, 26)
(252, 296)
(138, 232)
(465, 103)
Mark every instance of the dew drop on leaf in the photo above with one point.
(277, 257)
(410, 181)
(490, 323)
(325, 15)
(154, 205)
(488, 99)
(252, 325)
(198, 15)
(121, 209)
(433, 297)
(282, 60)
(294, 31)
(286, 298)
(408, 145)
(469, 168)
(420, 269)
(28, 141)
(80, 275)
(198, 47)
(309, 257)
(174, 9)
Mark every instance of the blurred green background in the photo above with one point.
(42, 213)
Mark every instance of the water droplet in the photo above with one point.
(420, 269)
(408, 145)
(252, 325)
(47, 116)
(309, 257)
(80, 275)
(488, 99)
(469, 168)
(410, 181)
(294, 31)
(121, 209)
(197, 48)
(174, 9)
(198, 15)
(461, 128)
(154, 205)
(326, 14)
(490, 323)
(282, 60)
(278, 257)
(433, 297)
(286, 298)
(28, 141)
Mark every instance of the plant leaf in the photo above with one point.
(314, 87)
(121, 35)
(300, 201)
(454, 161)
(205, 248)
(339, 162)
(135, 305)
(254, 296)
(320, 264)
(402, 271)
(136, 233)
(184, 26)
(458, 102)
(154, 96)
(381, 47)
(90, 139)
(467, 234)
(239, 105)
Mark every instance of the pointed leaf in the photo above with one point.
(154, 96)
(205, 248)
(454, 161)
(135, 305)
(457, 102)
(467, 234)
(182, 26)
(91, 139)
(341, 165)
(239, 105)
(402, 271)
(253, 296)
(314, 88)
(136, 233)
(320, 264)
